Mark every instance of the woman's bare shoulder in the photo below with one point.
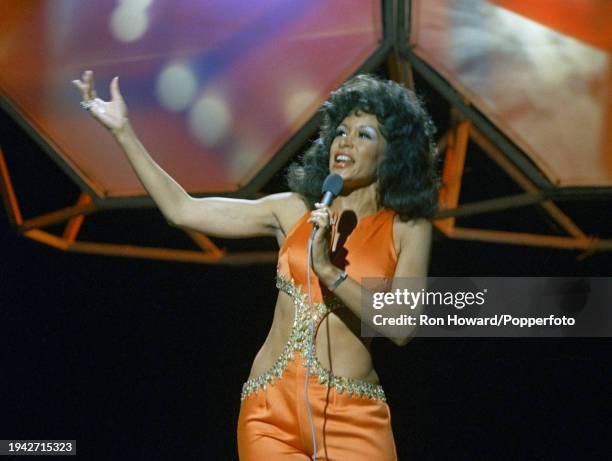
(408, 233)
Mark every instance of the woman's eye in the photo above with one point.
(340, 132)
(365, 134)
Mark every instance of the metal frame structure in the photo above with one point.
(402, 62)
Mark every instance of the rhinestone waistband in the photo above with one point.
(298, 342)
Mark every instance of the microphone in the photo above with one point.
(332, 186)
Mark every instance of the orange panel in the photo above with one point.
(586, 20)
(214, 88)
(549, 92)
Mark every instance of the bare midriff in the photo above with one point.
(338, 349)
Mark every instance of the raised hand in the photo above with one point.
(111, 114)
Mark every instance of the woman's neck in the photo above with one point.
(361, 201)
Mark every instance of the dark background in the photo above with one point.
(145, 360)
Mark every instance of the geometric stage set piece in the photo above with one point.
(225, 96)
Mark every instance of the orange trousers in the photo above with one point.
(274, 423)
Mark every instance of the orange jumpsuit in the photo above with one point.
(351, 417)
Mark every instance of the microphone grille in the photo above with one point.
(333, 183)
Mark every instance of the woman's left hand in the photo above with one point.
(322, 217)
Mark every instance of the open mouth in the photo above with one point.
(343, 160)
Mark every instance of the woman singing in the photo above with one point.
(313, 391)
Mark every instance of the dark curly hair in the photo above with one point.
(407, 174)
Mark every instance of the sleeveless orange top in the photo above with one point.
(364, 249)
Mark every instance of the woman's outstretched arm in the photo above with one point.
(221, 217)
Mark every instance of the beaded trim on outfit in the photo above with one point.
(299, 342)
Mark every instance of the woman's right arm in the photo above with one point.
(219, 217)
(215, 216)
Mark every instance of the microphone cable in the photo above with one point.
(332, 186)
(310, 358)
